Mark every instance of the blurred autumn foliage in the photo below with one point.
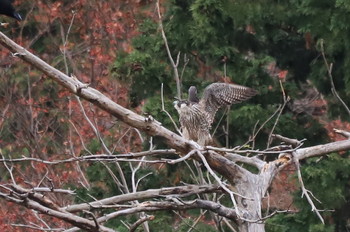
(42, 120)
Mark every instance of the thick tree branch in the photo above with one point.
(80, 222)
(43, 205)
(172, 204)
(346, 134)
(94, 96)
(254, 161)
(250, 187)
(152, 128)
(180, 191)
(304, 153)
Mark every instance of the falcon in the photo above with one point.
(197, 115)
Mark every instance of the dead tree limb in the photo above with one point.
(251, 187)
(179, 191)
(153, 128)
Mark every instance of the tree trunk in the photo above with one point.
(252, 227)
(252, 187)
(251, 211)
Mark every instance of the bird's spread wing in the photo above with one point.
(217, 95)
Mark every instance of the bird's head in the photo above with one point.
(180, 104)
(192, 94)
(175, 103)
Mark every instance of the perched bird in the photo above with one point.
(6, 8)
(196, 116)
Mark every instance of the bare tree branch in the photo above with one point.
(293, 142)
(173, 64)
(285, 101)
(329, 72)
(245, 188)
(166, 112)
(306, 192)
(319, 150)
(43, 205)
(153, 128)
(134, 226)
(346, 134)
(151, 206)
(180, 191)
(36, 227)
(169, 205)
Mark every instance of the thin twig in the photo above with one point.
(173, 64)
(8, 169)
(183, 219)
(196, 221)
(91, 158)
(65, 40)
(293, 142)
(186, 61)
(252, 138)
(223, 186)
(272, 150)
(227, 131)
(134, 226)
(329, 71)
(306, 192)
(187, 156)
(218, 124)
(167, 113)
(37, 227)
(285, 101)
(346, 134)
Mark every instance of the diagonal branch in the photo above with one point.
(318, 150)
(92, 95)
(170, 205)
(329, 71)
(180, 191)
(40, 203)
(306, 192)
(152, 128)
(173, 64)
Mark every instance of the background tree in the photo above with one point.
(257, 43)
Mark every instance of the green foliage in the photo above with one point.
(331, 173)
(327, 179)
(163, 222)
(140, 69)
(246, 36)
(154, 107)
(297, 222)
(187, 223)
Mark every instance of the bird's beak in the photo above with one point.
(176, 100)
